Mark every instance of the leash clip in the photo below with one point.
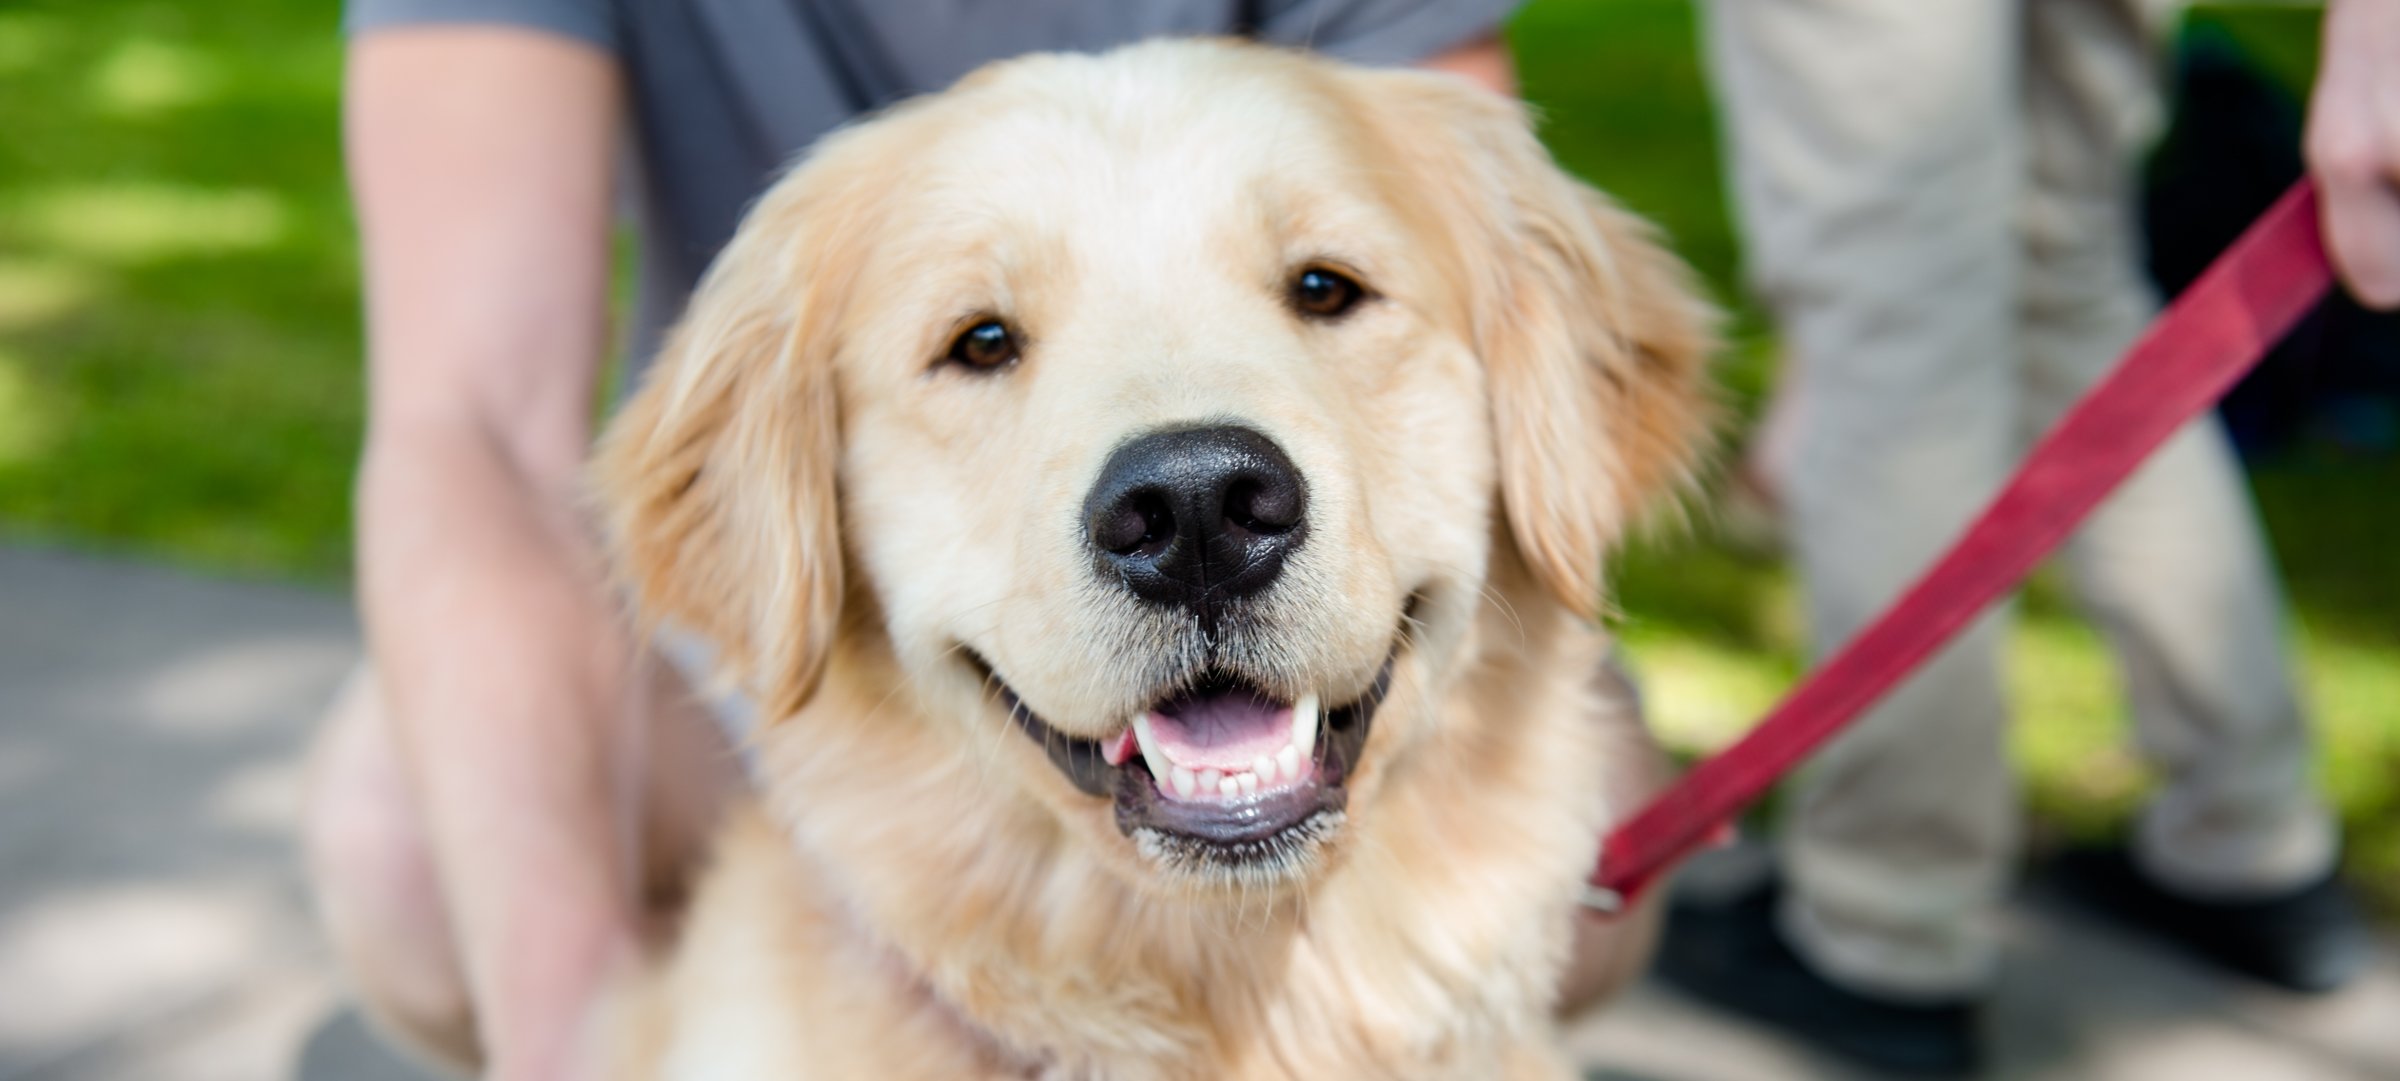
(1601, 899)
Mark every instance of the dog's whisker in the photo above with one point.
(1499, 601)
(988, 694)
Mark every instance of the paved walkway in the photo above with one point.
(153, 925)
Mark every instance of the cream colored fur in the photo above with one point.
(919, 893)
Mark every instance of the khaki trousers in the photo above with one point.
(1936, 199)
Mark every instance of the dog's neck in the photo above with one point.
(1437, 931)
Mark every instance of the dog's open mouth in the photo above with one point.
(1219, 771)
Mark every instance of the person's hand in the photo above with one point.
(2354, 146)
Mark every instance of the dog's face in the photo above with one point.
(1164, 410)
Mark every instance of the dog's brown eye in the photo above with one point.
(1324, 294)
(985, 346)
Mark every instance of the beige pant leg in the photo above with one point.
(1877, 165)
(2173, 566)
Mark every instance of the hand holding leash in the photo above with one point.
(2354, 146)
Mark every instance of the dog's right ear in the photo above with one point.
(717, 479)
(1594, 338)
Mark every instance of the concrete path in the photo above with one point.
(153, 924)
(152, 920)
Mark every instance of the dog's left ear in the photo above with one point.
(718, 479)
(1594, 338)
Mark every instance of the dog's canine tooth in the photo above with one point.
(1304, 725)
(1181, 780)
(1287, 762)
(1118, 748)
(1160, 764)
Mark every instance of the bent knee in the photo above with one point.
(360, 824)
(378, 896)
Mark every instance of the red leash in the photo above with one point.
(2218, 330)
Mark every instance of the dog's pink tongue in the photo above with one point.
(1226, 731)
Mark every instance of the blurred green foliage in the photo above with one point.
(178, 285)
(179, 371)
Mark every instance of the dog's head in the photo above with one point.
(1164, 408)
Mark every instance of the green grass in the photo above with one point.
(178, 289)
(179, 373)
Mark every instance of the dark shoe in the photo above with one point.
(1731, 956)
(2313, 939)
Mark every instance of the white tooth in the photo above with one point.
(1229, 788)
(1185, 784)
(1304, 725)
(1289, 760)
(1249, 783)
(1210, 779)
(1264, 769)
(1160, 764)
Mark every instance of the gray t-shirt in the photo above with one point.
(725, 92)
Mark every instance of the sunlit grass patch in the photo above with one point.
(40, 290)
(2071, 739)
(148, 221)
(2354, 690)
(1700, 695)
(146, 76)
(28, 422)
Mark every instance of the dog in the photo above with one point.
(1160, 499)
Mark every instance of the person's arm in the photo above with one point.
(2354, 145)
(1485, 60)
(481, 160)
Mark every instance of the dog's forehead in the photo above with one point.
(1106, 148)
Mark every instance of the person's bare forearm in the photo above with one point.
(480, 158)
(504, 670)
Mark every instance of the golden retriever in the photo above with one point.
(1161, 498)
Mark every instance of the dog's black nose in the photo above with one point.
(1196, 516)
